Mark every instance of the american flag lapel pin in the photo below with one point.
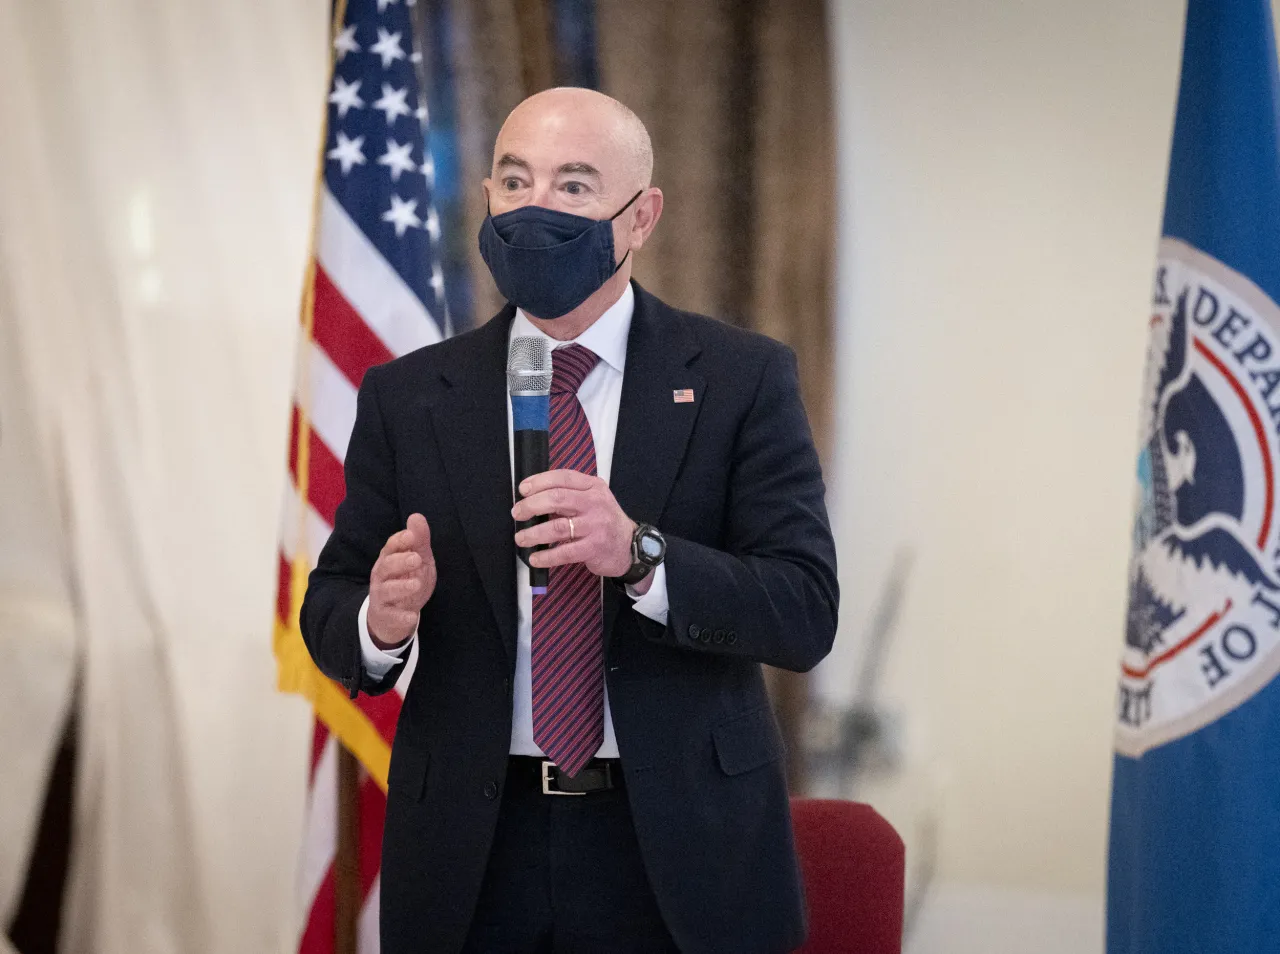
(682, 396)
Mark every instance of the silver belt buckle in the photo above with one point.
(547, 765)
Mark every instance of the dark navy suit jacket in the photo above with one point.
(733, 482)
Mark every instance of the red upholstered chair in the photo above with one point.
(854, 867)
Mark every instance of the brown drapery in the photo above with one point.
(737, 97)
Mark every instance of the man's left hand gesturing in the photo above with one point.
(587, 526)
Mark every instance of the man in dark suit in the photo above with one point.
(594, 768)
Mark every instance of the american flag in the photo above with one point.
(374, 290)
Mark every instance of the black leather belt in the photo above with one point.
(544, 776)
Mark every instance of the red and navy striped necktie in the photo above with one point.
(568, 621)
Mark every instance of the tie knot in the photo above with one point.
(570, 366)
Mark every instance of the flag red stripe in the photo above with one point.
(326, 485)
(318, 938)
(319, 736)
(342, 333)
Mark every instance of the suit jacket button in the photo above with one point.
(719, 636)
(491, 790)
(694, 631)
(731, 637)
(706, 635)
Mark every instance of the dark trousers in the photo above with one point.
(565, 877)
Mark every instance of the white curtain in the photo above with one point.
(37, 627)
(156, 176)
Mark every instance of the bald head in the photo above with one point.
(581, 126)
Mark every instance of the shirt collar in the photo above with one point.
(607, 336)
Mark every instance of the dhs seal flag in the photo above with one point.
(1202, 632)
(1195, 820)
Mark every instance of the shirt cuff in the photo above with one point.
(653, 604)
(379, 662)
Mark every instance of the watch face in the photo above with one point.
(650, 546)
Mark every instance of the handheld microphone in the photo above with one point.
(529, 381)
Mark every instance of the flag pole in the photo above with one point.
(346, 867)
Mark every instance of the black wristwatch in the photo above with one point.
(648, 548)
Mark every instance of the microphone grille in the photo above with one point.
(529, 365)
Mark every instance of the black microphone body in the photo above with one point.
(532, 456)
(529, 381)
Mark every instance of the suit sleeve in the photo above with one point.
(771, 594)
(339, 584)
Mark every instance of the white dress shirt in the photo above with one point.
(600, 395)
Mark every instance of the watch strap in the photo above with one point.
(634, 575)
(639, 567)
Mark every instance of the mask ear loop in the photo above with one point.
(627, 206)
(614, 216)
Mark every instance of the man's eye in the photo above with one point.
(574, 188)
(510, 184)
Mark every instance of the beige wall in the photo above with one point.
(1002, 179)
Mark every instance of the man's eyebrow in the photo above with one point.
(579, 169)
(509, 160)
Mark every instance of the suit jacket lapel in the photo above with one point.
(471, 421)
(653, 430)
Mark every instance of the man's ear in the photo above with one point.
(648, 211)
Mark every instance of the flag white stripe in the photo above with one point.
(332, 404)
(320, 840)
(289, 522)
(317, 529)
(367, 938)
(369, 283)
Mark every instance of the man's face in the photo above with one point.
(563, 157)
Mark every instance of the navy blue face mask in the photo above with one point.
(548, 262)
